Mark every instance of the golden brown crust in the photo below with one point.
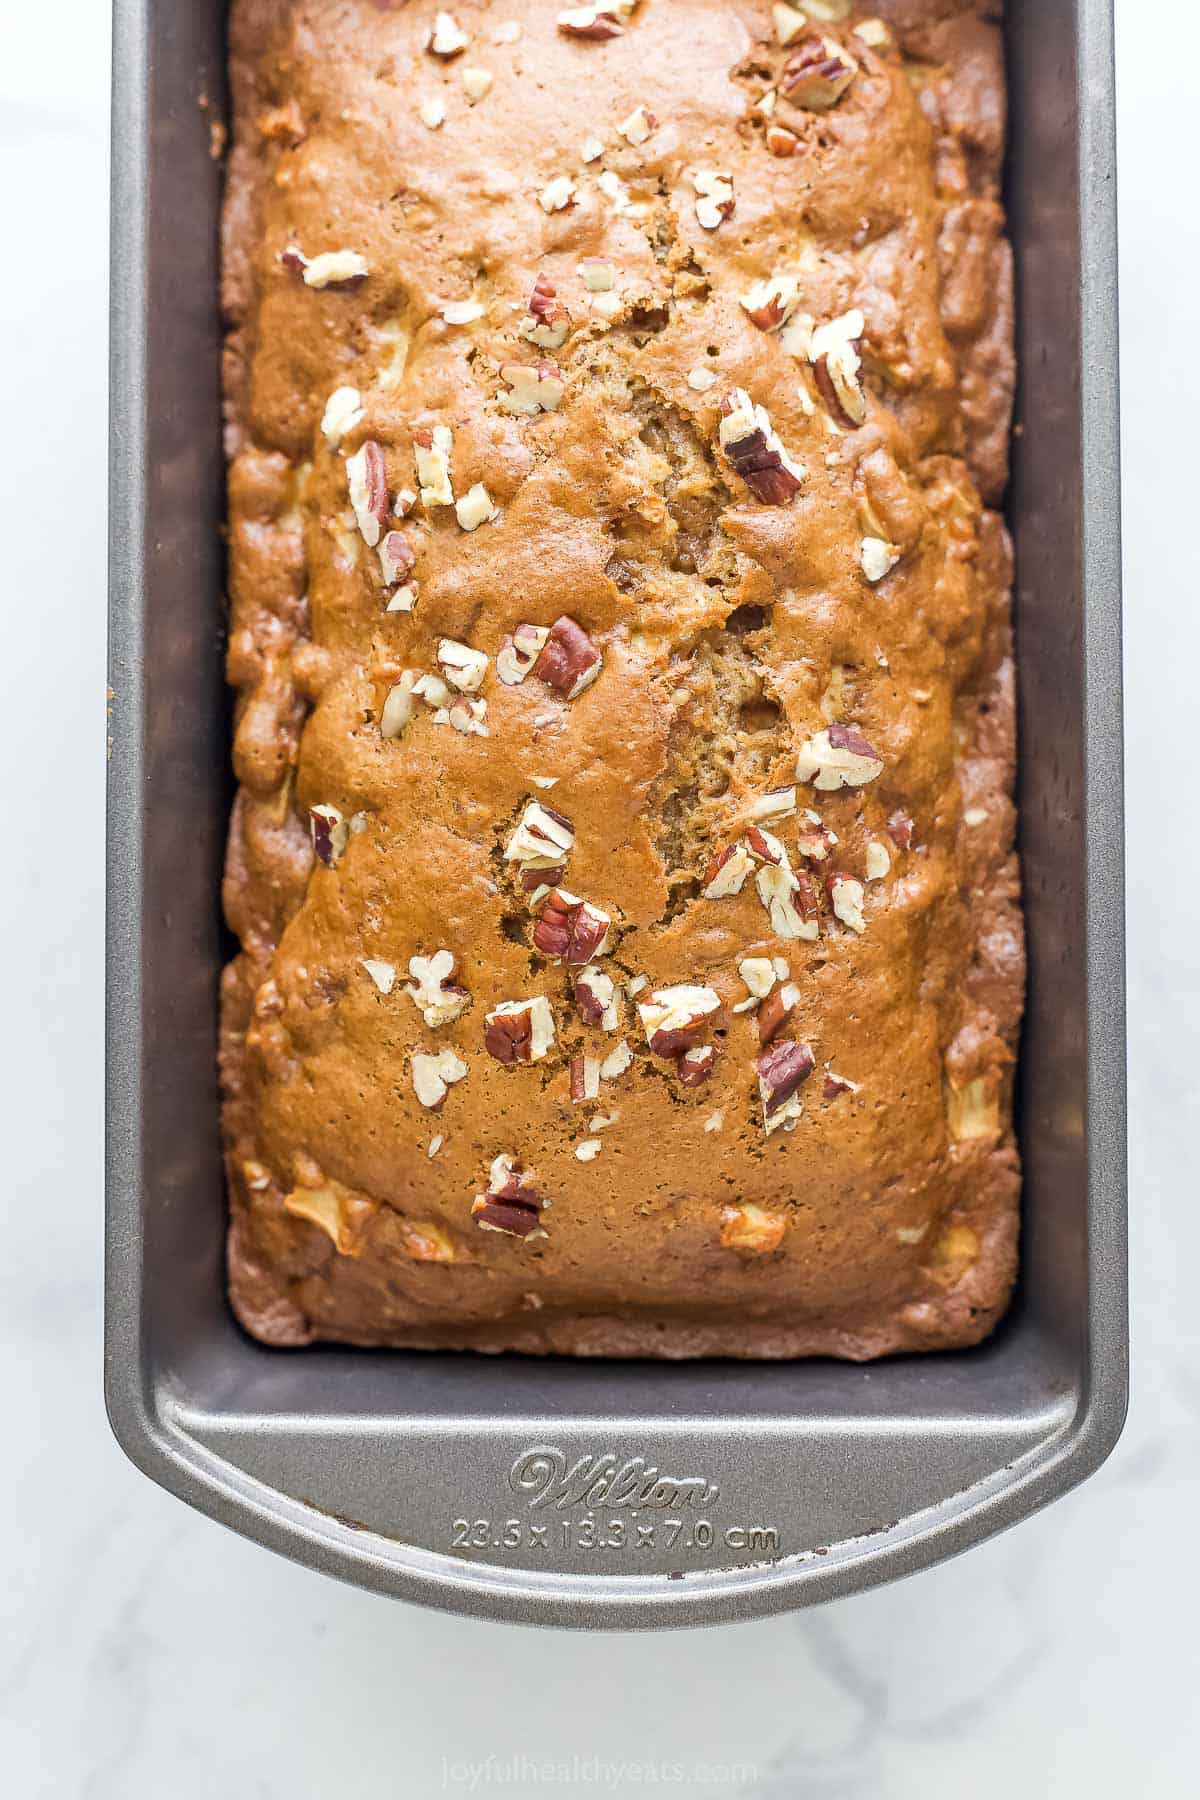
(733, 629)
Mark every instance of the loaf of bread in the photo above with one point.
(618, 397)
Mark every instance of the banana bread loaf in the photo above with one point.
(618, 398)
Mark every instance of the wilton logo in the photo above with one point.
(542, 1474)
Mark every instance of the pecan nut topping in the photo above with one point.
(783, 1068)
(366, 475)
(836, 1085)
(674, 1018)
(512, 1204)
(569, 929)
(330, 834)
(519, 1031)
(835, 352)
(584, 1074)
(696, 1066)
(598, 23)
(440, 1002)
(396, 558)
(542, 840)
(755, 452)
(595, 998)
(817, 75)
(518, 654)
(569, 661)
(776, 1011)
(838, 757)
(726, 872)
(549, 323)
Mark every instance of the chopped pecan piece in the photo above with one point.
(330, 834)
(569, 661)
(447, 39)
(595, 998)
(549, 323)
(726, 872)
(597, 274)
(538, 882)
(772, 302)
(638, 127)
(875, 34)
(714, 197)
(780, 141)
(475, 507)
(765, 847)
(877, 558)
(519, 1031)
(777, 803)
(838, 757)
(439, 1001)
(383, 974)
(900, 830)
(571, 930)
(532, 388)
(461, 312)
(366, 475)
(340, 270)
(836, 1085)
(512, 1204)
(396, 558)
(340, 1213)
(759, 974)
(835, 352)
(815, 838)
(616, 1062)
(790, 899)
(788, 23)
(433, 1074)
(585, 1078)
(557, 195)
(776, 1011)
(597, 23)
(463, 667)
(782, 1070)
(399, 705)
(818, 73)
(696, 1065)
(343, 411)
(755, 451)
(878, 860)
(846, 896)
(542, 840)
(517, 654)
(477, 83)
(674, 1018)
(465, 716)
(432, 446)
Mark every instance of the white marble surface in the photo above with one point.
(145, 1651)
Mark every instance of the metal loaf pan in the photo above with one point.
(573, 1493)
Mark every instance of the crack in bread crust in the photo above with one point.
(731, 632)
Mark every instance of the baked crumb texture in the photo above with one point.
(618, 400)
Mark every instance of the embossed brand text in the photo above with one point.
(543, 1474)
